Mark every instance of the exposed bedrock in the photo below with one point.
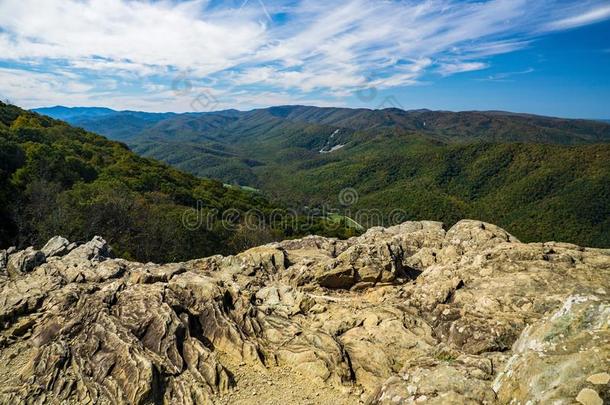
(407, 314)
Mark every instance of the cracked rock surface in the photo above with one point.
(408, 314)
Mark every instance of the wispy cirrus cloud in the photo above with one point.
(448, 69)
(297, 49)
(506, 76)
(591, 16)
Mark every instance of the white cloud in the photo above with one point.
(128, 51)
(35, 88)
(127, 35)
(505, 76)
(447, 69)
(578, 20)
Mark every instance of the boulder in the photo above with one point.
(57, 246)
(24, 261)
(96, 250)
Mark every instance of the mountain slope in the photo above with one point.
(536, 191)
(57, 179)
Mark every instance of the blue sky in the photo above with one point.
(548, 57)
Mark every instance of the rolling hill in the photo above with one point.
(542, 178)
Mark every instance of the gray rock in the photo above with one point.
(24, 261)
(96, 250)
(3, 261)
(57, 246)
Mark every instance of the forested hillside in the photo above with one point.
(59, 180)
(539, 192)
(542, 178)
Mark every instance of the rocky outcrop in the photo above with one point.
(407, 314)
(57, 246)
(24, 261)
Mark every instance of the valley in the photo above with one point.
(541, 177)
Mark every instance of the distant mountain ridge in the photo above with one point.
(117, 125)
(458, 125)
(69, 113)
